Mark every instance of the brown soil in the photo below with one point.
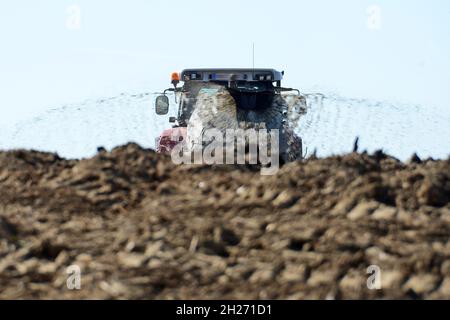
(140, 227)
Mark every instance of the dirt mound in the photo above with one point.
(139, 227)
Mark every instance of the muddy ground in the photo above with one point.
(139, 227)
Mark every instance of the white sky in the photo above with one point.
(134, 45)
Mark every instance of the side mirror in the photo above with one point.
(172, 119)
(162, 105)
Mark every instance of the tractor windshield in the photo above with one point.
(191, 90)
(249, 95)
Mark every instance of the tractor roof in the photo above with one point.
(224, 74)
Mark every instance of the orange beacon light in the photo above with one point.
(175, 78)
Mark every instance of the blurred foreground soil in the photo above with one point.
(140, 227)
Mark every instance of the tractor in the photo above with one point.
(249, 96)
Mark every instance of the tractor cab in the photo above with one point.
(252, 89)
